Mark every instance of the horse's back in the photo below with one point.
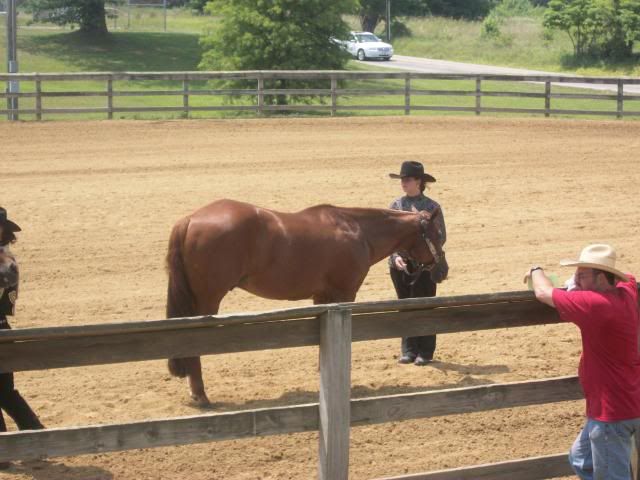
(223, 209)
(229, 214)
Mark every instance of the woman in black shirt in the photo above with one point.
(416, 350)
(10, 399)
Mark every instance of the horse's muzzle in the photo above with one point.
(440, 270)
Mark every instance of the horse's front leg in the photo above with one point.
(190, 367)
(193, 368)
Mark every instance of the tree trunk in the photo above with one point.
(369, 20)
(93, 17)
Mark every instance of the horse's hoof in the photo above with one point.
(200, 401)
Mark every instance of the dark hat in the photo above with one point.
(6, 223)
(412, 169)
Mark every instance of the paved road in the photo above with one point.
(417, 64)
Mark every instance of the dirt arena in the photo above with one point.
(96, 202)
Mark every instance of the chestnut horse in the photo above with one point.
(8, 268)
(323, 253)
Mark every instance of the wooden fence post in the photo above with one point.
(335, 393)
(620, 98)
(110, 98)
(334, 95)
(635, 457)
(478, 95)
(38, 99)
(407, 94)
(547, 98)
(185, 97)
(260, 95)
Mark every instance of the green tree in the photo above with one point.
(197, 5)
(276, 35)
(623, 24)
(468, 9)
(575, 17)
(89, 15)
(603, 28)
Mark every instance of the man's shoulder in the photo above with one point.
(631, 285)
(589, 301)
(578, 302)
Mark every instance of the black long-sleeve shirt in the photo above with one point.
(419, 202)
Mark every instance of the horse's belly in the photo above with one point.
(286, 288)
(275, 293)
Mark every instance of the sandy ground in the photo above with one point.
(97, 200)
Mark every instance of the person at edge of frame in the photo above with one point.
(10, 399)
(604, 306)
(413, 180)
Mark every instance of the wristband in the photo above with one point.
(533, 269)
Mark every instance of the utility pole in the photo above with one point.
(388, 21)
(12, 57)
(164, 8)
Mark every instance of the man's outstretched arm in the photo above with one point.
(542, 286)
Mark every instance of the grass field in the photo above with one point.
(137, 43)
(522, 43)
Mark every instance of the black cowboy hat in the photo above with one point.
(412, 169)
(6, 223)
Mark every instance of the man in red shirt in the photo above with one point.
(604, 306)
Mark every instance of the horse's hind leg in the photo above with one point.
(193, 365)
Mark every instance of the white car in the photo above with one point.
(364, 45)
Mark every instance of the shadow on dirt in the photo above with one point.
(298, 397)
(56, 470)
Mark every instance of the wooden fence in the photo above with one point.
(332, 92)
(333, 327)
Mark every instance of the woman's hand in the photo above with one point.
(400, 264)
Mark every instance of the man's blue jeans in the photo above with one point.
(602, 450)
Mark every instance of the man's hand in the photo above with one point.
(528, 275)
(542, 286)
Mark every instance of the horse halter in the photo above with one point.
(434, 252)
(421, 267)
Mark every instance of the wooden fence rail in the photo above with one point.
(61, 347)
(547, 466)
(329, 86)
(332, 327)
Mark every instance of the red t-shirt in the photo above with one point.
(610, 363)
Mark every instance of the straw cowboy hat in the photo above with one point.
(599, 256)
(412, 169)
(6, 223)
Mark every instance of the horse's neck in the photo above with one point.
(386, 231)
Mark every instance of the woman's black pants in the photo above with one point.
(12, 402)
(425, 346)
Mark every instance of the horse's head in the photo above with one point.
(427, 250)
(8, 269)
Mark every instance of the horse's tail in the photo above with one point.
(180, 299)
